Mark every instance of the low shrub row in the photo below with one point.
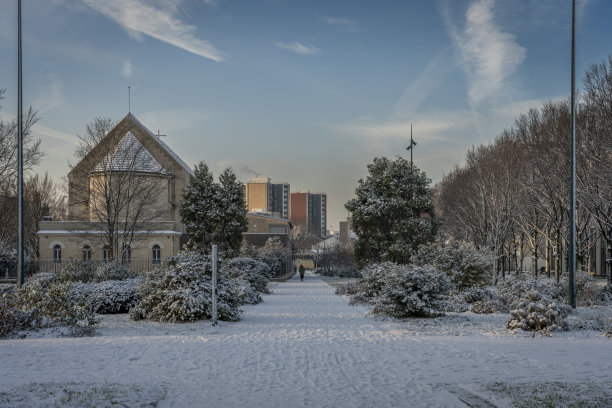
(179, 290)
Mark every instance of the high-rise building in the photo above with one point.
(280, 199)
(310, 210)
(266, 197)
(318, 214)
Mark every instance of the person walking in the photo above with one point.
(302, 271)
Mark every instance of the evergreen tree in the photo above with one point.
(199, 209)
(231, 221)
(392, 213)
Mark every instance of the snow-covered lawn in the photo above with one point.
(305, 346)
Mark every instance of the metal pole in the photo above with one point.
(411, 145)
(572, 237)
(20, 263)
(214, 284)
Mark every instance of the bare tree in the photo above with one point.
(8, 148)
(124, 191)
(595, 179)
(42, 197)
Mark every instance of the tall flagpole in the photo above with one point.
(20, 263)
(572, 220)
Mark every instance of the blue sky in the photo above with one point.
(307, 92)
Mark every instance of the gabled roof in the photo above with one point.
(163, 145)
(126, 133)
(130, 155)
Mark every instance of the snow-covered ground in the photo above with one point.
(303, 347)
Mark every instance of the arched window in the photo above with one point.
(57, 254)
(86, 252)
(126, 255)
(156, 254)
(106, 254)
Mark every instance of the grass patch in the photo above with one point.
(553, 394)
(78, 394)
(335, 281)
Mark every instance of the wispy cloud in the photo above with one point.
(40, 130)
(299, 48)
(140, 18)
(487, 54)
(338, 21)
(429, 127)
(50, 97)
(126, 70)
(419, 90)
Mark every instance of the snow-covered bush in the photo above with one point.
(465, 265)
(275, 255)
(113, 271)
(476, 299)
(509, 292)
(47, 302)
(588, 292)
(246, 293)
(349, 289)
(537, 312)
(409, 290)
(77, 271)
(251, 275)
(605, 297)
(371, 282)
(108, 297)
(7, 288)
(256, 272)
(180, 290)
(484, 307)
(8, 318)
(88, 271)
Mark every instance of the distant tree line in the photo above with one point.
(512, 195)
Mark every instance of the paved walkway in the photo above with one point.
(303, 347)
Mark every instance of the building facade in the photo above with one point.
(310, 210)
(264, 196)
(124, 199)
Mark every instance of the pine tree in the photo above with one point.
(392, 213)
(232, 220)
(199, 209)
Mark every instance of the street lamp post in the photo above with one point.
(572, 220)
(20, 260)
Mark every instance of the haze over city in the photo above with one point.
(302, 92)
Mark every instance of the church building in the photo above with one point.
(123, 202)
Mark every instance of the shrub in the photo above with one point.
(484, 307)
(537, 312)
(605, 297)
(588, 292)
(180, 290)
(256, 272)
(371, 282)
(349, 289)
(7, 288)
(88, 271)
(8, 320)
(78, 271)
(108, 297)
(47, 302)
(114, 271)
(509, 292)
(465, 265)
(409, 290)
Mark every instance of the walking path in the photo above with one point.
(303, 347)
